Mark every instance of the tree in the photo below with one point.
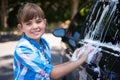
(59, 9)
(74, 7)
(3, 13)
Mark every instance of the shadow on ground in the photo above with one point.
(56, 56)
(5, 38)
(6, 71)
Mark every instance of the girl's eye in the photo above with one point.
(38, 21)
(28, 23)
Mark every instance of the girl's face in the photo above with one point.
(34, 28)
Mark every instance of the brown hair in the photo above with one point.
(29, 11)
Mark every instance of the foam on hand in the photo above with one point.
(76, 56)
(92, 54)
(84, 50)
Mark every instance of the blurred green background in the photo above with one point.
(56, 11)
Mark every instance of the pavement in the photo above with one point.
(7, 49)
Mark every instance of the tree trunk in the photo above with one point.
(3, 14)
(74, 7)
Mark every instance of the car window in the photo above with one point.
(77, 24)
(101, 22)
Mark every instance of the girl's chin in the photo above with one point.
(35, 36)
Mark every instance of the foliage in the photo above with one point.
(55, 10)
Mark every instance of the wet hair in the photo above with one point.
(29, 11)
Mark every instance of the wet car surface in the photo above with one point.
(99, 26)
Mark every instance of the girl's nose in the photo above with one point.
(35, 26)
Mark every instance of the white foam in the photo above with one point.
(115, 47)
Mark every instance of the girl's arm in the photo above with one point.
(67, 67)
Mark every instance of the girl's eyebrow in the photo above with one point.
(37, 18)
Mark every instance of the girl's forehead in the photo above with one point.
(37, 17)
(34, 18)
(32, 15)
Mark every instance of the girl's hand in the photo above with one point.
(80, 51)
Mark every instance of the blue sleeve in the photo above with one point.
(32, 60)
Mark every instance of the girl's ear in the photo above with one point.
(45, 21)
(19, 26)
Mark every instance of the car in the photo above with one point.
(100, 27)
